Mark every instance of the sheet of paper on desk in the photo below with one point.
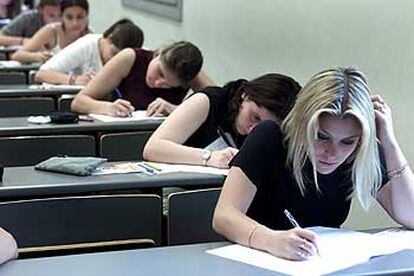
(139, 115)
(10, 63)
(394, 240)
(338, 250)
(116, 168)
(55, 86)
(169, 168)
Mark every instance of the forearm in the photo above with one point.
(402, 186)
(162, 150)
(241, 229)
(87, 105)
(24, 56)
(50, 76)
(11, 40)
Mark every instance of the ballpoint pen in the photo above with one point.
(295, 224)
(226, 139)
(147, 169)
(291, 219)
(118, 93)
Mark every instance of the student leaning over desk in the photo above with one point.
(337, 141)
(50, 39)
(234, 109)
(79, 62)
(153, 80)
(23, 27)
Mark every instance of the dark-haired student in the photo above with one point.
(8, 246)
(24, 26)
(153, 80)
(52, 38)
(233, 110)
(81, 60)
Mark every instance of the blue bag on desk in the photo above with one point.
(82, 166)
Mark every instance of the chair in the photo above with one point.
(60, 226)
(64, 102)
(123, 146)
(26, 106)
(190, 216)
(30, 150)
(9, 78)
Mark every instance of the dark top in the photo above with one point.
(24, 25)
(218, 116)
(262, 158)
(134, 87)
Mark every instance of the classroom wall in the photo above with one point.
(296, 37)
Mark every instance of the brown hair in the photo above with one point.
(43, 3)
(183, 59)
(124, 33)
(275, 92)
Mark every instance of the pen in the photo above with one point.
(226, 139)
(152, 166)
(295, 223)
(147, 169)
(118, 93)
(291, 219)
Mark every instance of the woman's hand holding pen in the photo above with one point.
(222, 158)
(120, 108)
(295, 244)
(160, 107)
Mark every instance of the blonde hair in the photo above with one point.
(341, 92)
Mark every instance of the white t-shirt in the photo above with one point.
(79, 57)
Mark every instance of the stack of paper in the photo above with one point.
(169, 168)
(338, 250)
(139, 115)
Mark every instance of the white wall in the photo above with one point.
(298, 37)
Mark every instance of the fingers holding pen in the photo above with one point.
(122, 108)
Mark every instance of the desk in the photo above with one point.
(20, 90)
(24, 67)
(13, 140)
(17, 126)
(26, 182)
(7, 50)
(175, 260)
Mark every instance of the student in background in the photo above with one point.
(337, 141)
(51, 38)
(80, 61)
(8, 246)
(234, 109)
(157, 80)
(24, 26)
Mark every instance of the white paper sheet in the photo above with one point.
(138, 115)
(169, 168)
(55, 86)
(338, 250)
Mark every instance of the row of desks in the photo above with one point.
(26, 182)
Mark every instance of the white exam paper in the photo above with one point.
(138, 115)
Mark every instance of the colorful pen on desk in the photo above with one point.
(152, 166)
(147, 169)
